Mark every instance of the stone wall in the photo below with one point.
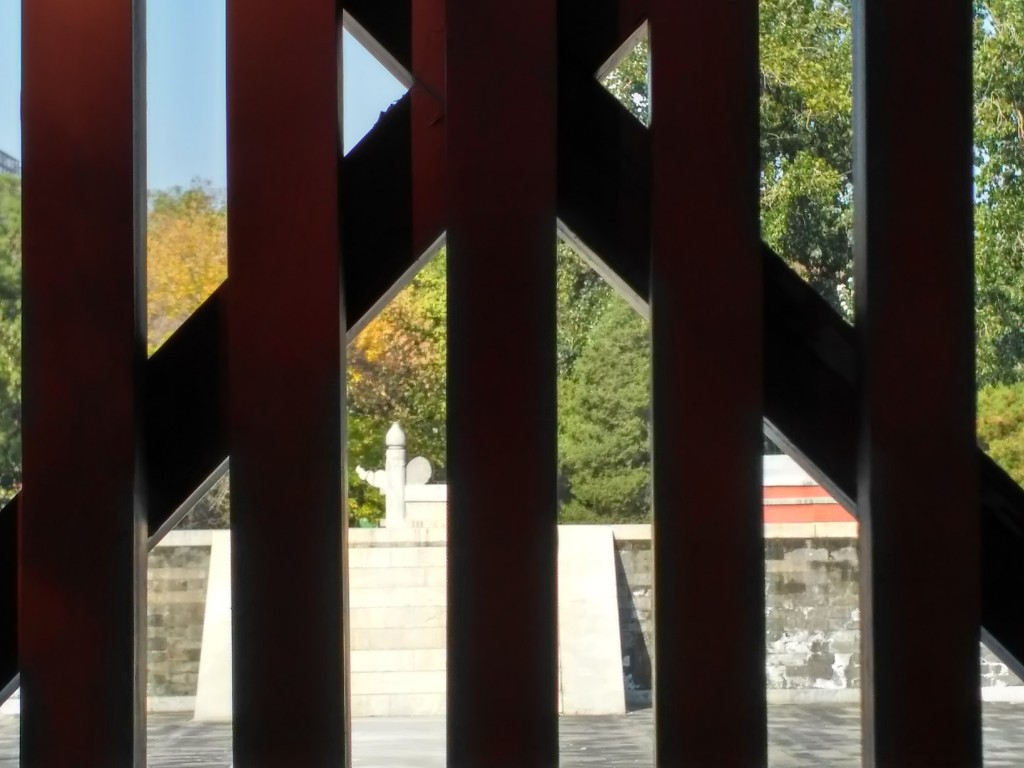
(812, 614)
(811, 596)
(177, 578)
(634, 575)
(994, 673)
(811, 593)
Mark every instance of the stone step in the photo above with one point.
(364, 537)
(408, 660)
(384, 578)
(398, 639)
(398, 597)
(397, 557)
(405, 683)
(408, 617)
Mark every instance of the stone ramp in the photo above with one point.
(589, 648)
(213, 689)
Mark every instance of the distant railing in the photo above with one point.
(9, 164)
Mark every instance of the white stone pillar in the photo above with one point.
(394, 484)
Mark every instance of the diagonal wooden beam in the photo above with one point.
(385, 26)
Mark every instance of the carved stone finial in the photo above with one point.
(395, 438)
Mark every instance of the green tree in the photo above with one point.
(628, 81)
(1001, 426)
(806, 152)
(365, 502)
(999, 190)
(10, 336)
(805, 137)
(186, 255)
(806, 140)
(396, 367)
(396, 372)
(806, 216)
(213, 509)
(602, 359)
(582, 296)
(604, 431)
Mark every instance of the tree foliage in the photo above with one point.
(582, 297)
(806, 160)
(395, 366)
(1001, 426)
(213, 509)
(628, 81)
(396, 372)
(805, 137)
(999, 190)
(806, 156)
(604, 410)
(186, 256)
(806, 142)
(365, 502)
(10, 337)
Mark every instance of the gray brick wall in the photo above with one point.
(812, 617)
(812, 614)
(811, 597)
(177, 603)
(634, 575)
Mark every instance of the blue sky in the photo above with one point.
(185, 83)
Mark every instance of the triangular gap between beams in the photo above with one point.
(619, 76)
(609, 275)
(774, 442)
(372, 81)
(360, 324)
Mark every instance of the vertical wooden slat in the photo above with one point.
(917, 487)
(82, 527)
(285, 365)
(707, 379)
(501, 384)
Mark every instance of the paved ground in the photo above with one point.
(800, 735)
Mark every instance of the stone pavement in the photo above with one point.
(799, 735)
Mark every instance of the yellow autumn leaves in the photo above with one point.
(395, 366)
(187, 256)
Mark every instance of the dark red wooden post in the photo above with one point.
(707, 379)
(501, 384)
(285, 345)
(83, 527)
(917, 491)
